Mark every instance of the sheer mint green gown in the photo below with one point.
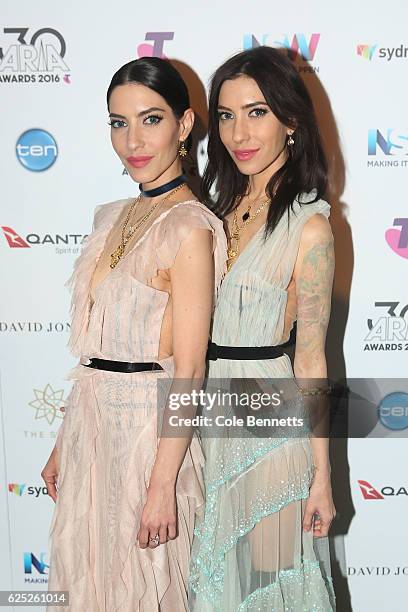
(250, 552)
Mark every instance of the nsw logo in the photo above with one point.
(298, 44)
(35, 568)
(36, 150)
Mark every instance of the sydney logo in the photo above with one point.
(366, 51)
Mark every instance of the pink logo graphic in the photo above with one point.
(368, 491)
(67, 78)
(301, 46)
(156, 49)
(366, 51)
(13, 239)
(398, 239)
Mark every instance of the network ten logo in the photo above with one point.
(369, 492)
(36, 150)
(388, 332)
(393, 411)
(391, 142)
(35, 568)
(296, 44)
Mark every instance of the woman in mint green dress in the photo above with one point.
(261, 543)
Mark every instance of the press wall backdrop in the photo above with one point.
(57, 164)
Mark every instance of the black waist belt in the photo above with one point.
(123, 366)
(216, 351)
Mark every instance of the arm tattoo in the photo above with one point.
(314, 287)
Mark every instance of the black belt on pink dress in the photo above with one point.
(123, 366)
(214, 352)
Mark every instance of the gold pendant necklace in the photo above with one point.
(119, 252)
(233, 252)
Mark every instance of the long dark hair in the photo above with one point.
(160, 76)
(305, 168)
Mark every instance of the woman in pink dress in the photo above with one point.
(143, 293)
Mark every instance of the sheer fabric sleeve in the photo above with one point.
(178, 225)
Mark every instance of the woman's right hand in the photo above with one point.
(50, 474)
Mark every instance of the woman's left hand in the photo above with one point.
(320, 503)
(158, 516)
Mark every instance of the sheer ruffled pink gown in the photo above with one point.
(108, 440)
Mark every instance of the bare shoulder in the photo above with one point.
(316, 248)
(316, 230)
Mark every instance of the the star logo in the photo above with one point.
(13, 239)
(48, 404)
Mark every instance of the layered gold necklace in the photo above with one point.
(119, 252)
(235, 235)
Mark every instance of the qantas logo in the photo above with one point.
(14, 240)
(368, 491)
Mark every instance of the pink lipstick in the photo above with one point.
(140, 161)
(245, 154)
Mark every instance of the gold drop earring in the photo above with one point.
(182, 149)
(291, 140)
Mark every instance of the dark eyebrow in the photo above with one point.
(251, 105)
(141, 114)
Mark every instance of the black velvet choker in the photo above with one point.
(152, 193)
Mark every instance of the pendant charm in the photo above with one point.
(116, 256)
(231, 255)
(245, 216)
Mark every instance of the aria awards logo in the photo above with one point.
(387, 331)
(33, 56)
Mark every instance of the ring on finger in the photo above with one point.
(154, 540)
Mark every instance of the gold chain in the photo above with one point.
(233, 252)
(118, 253)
